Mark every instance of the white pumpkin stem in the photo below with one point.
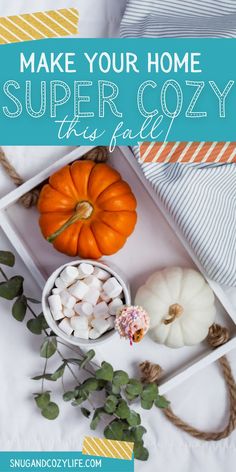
(175, 311)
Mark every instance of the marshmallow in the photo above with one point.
(85, 270)
(84, 309)
(111, 321)
(60, 284)
(67, 300)
(55, 303)
(114, 306)
(101, 274)
(79, 289)
(79, 322)
(94, 334)
(112, 287)
(100, 309)
(100, 325)
(104, 297)
(65, 326)
(56, 291)
(82, 333)
(93, 281)
(68, 312)
(92, 295)
(58, 315)
(68, 275)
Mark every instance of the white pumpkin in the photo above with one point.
(180, 304)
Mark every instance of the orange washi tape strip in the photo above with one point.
(196, 152)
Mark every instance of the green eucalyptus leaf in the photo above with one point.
(19, 308)
(128, 435)
(105, 372)
(122, 410)
(7, 258)
(88, 357)
(101, 385)
(58, 373)
(115, 390)
(130, 397)
(150, 392)
(45, 376)
(48, 347)
(115, 430)
(38, 377)
(12, 288)
(51, 411)
(110, 404)
(85, 412)
(96, 418)
(42, 400)
(161, 402)
(134, 418)
(34, 326)
(81, 395)
(139, 432)
(90, 385)
(49, 377)
(44, 324)
(140, 452)
(42, 376)
(146, 404)
(134, 388)
(68, 396)
(78, 401)
(120, 378)
(80, 391)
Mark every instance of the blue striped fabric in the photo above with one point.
(201, 198)
(179, 18)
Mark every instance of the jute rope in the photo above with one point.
(29, 199)
(98, 154)
(152, 372)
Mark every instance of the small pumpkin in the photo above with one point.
(180, 304)
(87, 210)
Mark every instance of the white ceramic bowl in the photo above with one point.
(50, 284)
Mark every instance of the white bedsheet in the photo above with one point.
(201, 400)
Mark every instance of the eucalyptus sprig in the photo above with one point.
(118, 391)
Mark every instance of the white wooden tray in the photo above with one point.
(156, 243)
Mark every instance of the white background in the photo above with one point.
(200, 400)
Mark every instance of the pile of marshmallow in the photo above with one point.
(85, 301)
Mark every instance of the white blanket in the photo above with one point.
(201, 400)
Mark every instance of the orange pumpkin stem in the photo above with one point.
(83, 211)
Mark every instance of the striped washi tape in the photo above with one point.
(195, 152)
(107, 448)
(39, 25)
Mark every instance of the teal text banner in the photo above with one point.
(117, 92)
(60, 462)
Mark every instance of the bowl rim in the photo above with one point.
(50, 283)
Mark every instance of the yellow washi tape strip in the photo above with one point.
(39, 25)
(107, 448)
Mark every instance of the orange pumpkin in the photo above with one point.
(87, 210)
